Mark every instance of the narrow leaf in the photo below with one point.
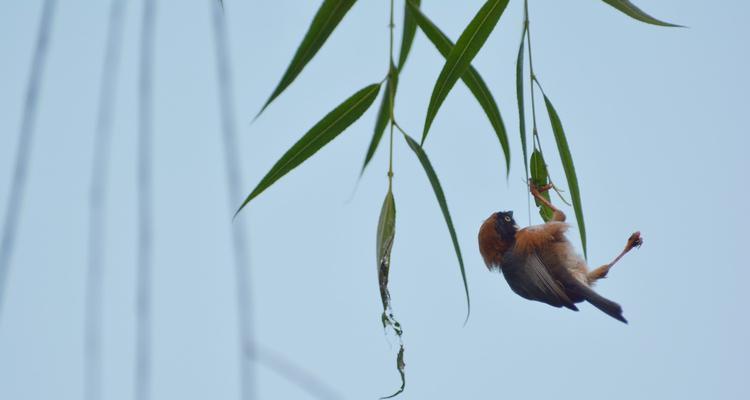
(458, 61)
(570, 170)
(318, 136)
(470, 77)
(330, 13)
(407, 37)
(440, 195)
(521, 103)
(384, 115)
(384, 244)
(540, 177)
(631, 10)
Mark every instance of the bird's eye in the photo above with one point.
(507, 218)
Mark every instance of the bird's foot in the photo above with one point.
(536, 189)
(634, 241)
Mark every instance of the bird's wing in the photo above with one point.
(531, 278)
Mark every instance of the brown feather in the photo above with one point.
(491, 245)
(536, 237)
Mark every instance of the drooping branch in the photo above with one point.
(25, 136)
(248, 388)
(97, 194)
(145, 215)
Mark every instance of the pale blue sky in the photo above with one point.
(656, 120)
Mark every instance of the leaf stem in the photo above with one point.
(391, 95)
(532, 76)
(535, 141)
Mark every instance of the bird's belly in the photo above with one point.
(572, 261)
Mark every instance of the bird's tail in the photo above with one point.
(608, 306)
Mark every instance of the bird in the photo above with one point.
(539, 262)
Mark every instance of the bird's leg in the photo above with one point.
(557, 215)
(633, 241)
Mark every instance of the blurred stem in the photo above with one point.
(391, 95)
(145, 187)
(301, 377)
(248, 381)
(97, 203)
(25, 136)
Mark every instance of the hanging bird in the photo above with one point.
(539, 262)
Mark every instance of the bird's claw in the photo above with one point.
(536, 189)
(635, 240)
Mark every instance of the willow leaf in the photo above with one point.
(570, 170)
(318, 136)
(330, 13)
(407, 37)
(470, 77)
(540, 177)
(521, 103)
(384, 244)
(440, 195)
(384, 115)
(458, 61)
(631, 10)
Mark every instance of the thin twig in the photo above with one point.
(97, 193)
(392, 73)
(248, 389)
(294, 373)
(391, 96)
(143, 310)
(536, 142)
(532, 77)
(18, 184)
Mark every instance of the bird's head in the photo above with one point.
(496, 236)
(506, 226)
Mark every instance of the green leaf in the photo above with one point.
(407, 37)
(570, 170)
(459, 60)
(440, 195)
(631, 10)
(540, 177)
(318, 136)
(384, 244)
(384, 115)
(330, 13)
(521, 104)
(470, 77)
